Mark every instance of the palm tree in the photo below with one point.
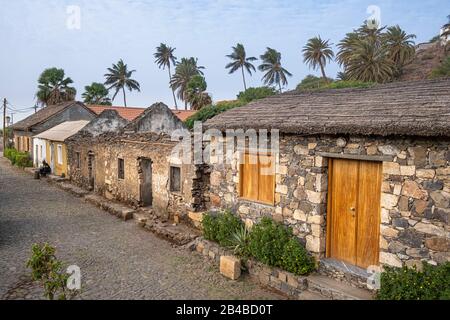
(240, 61)
(400, 46)
(365, 55)
(96, 93)
(370, 63)
(119, 77)
(184, 71)
(54, 87)
(316, 52)
(165, 58)
(196, 93)
(274, 72)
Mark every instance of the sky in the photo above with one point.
(38, 34)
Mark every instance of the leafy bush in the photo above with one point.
(267, 241)
(433, 283)
(220, 228)
(208, 112)
(21, 159)
(312, 82)
(443, 70)
(252, 94)
(47, 269)
(240, 240)
(296, 259)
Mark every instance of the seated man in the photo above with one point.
(45, 168)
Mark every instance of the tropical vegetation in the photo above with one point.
(267, 241)
(274, 73)
(375, 55)
(196, 94)
(256, 93)
(119, 78)
(316, 53)
(443, 70)
(165, 58)
(431, 283)
(96, 93)
(54, 87)
(184, 71)
(241, 61)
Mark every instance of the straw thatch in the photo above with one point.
(418, 108)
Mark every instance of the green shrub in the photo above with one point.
(432, 283)
(11, 155)
(349, 84)
(240, 240)
(267, 241)
(48, 270)
(311, 82)
(221, 227)
(252, 94)
(443, 70)
(208, 112)
(296, 259)
(23, 160)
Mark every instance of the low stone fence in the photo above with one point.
(280, 280)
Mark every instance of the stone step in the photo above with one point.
(308, 295)
(123, 212)
(178, 234)
(76, 191)
(336, 290)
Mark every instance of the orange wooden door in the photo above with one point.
(354, 211)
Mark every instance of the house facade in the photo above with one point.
(53, 142)
(137, 164)
(45, 119)
(361, 175)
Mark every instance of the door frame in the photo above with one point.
(141, 181)
(329, 205)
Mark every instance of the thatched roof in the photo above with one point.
(416, 108)
(43, 115)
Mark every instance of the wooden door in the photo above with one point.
(91, 170)
(354, 211)
(146, 183)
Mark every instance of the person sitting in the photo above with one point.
(45, 169)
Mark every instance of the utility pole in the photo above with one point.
(4, 124)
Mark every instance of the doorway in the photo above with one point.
(146, 182)
(91, 170)
(353, 222)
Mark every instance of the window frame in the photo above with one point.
(77, 159)
(241, 174)
(121, 168)
(171, 166)
(59, 155)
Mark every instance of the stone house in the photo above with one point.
(131, 113)
(45, 119)
(361, 175)
(134, 163)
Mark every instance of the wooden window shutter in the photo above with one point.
(266, 179)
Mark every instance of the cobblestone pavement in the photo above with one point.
(118, 260)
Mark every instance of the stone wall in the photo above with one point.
(414, 202)
(109, 148)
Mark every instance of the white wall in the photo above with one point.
(41, 151)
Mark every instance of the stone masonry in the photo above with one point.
(415, 196)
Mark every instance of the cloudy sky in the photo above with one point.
(35, 35)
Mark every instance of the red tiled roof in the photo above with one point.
(183, 114)
(131, 113)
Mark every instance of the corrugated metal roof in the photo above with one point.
(62, 131)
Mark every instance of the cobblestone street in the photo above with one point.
(118, 260)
